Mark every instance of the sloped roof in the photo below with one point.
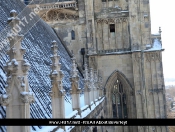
(37, 42)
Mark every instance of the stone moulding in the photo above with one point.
(157, 90)
(56, 5)
(112, 20)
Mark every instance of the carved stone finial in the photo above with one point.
(25, 65)
(86, 79)
(13, 13)
(5, 99)
(74, 68)
(17, 87)
(160, 31)
(91, 78)
(75, 90)
(56, 74)
(86, 75)
(87, 90)
(57, 92)
(13, 21)
(54, 48)
(91, 84)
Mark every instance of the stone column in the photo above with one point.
(92, 86)
(75, 90)
(17, 98)
(87, 89)
(57, 93)
(100, 87)
(96, 85)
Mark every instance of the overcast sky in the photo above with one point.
(162, 15)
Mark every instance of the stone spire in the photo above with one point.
(92, 86)
(58, 93)
(160, 32)
(87, 95)
(75, 90)
(17, 98)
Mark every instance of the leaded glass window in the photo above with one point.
(119, 101)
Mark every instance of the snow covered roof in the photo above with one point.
(37, 42)
(155, 46)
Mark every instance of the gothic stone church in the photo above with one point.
(105, 50)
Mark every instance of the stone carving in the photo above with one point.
(57, 5)
(137, 58)
(22, 83)
(7, 87)
(27, 97)
(17, 85)
(87, 89)
(57, 92)
(25, 66)
(12, 66)
(124, 19)
(75, 90)
(74, 68)
(110, 20)
(153, 56)
(5, 99)
(92, 84)
(44, 17)
(93, 62)
(74, 78)
(57, 15)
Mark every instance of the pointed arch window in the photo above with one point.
(119, 101)
(73, 34)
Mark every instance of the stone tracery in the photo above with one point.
(112, 20)
(56, 15)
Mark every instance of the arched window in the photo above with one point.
(73, 34)
(119, 101)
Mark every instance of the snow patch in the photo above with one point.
(156, 45)
(60, 130)
(13, 11)
(5, 96)
(73, 114)
(14, 62)
(54, 72)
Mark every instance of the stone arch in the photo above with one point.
(127, 87)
